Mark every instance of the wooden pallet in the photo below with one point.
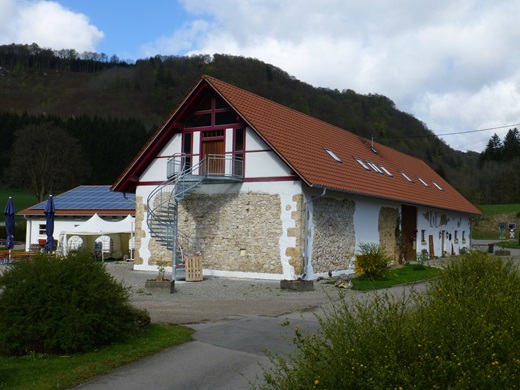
(193, 267)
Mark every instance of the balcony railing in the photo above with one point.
(212, 165)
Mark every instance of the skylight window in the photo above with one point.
(374, 167)
(386, 171)
(333, 155)
(406, 177)
(438, 186)
(362, 163)
(422, 181)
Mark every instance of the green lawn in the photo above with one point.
(493, 209)
(40, 372)
(21, 198)
(407, 274)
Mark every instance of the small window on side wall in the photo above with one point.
(239, 140)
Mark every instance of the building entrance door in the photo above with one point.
(409, 225)
(213, 151)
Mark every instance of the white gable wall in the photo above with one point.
(261, 161)
(156, 171)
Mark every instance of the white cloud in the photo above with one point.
(181, 40)
(452, 64)
(48, 24)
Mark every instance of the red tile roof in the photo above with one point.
(300, 140)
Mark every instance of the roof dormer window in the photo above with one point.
(333, 155)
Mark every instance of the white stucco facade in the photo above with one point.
(312, 238)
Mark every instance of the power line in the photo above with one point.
(456, 133)
(476, 131)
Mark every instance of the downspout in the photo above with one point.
(306, 225)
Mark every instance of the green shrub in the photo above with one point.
(372, 262)
(63, 305)
(462, 333)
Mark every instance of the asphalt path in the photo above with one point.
(228, 350)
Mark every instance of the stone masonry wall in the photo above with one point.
(237, 232)
(387, 225)
(334, 239)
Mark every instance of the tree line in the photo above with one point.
(33, 56)
(48, 154)
(108, 89)
(498, 179)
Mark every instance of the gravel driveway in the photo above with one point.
(217, 298)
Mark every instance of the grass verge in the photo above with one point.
(513, 244)
(407, 274)
(35, 371)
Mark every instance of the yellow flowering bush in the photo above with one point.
(463, 332)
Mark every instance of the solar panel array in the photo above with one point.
(91, 198)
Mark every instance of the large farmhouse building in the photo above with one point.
(264, 191)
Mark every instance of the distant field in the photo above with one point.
(21, 198)
(494, 209)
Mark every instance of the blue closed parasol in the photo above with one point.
(50, 244)
(9, 224)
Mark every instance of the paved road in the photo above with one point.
(226, 354)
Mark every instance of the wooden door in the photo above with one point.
(213, 151)
(409, 224)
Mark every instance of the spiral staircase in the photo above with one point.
(182, 180)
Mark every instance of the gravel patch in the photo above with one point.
(218, 298)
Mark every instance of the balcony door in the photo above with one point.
(213, 151)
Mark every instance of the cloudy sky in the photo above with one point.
(455, 65)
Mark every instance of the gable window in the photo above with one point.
(225, 117)
(239, 140)
(198, 120)
(213, 134)
(187, 148)
(212, 111)
(239, 152)
(333, 155)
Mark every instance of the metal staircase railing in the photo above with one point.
(183, 179)
(163, 212)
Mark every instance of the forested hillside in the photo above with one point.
(110, 107)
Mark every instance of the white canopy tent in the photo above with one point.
(101, 237)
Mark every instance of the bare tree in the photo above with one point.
(45, 158)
